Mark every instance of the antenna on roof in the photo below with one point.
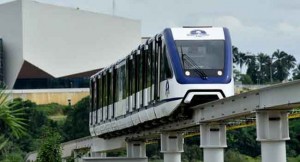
(113, 7)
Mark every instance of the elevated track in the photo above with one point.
(268, 108)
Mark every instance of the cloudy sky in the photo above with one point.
(256, 25)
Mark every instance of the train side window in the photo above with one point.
(95, 99)
(111, 92)
(128, 82)
(116, 85)
(100, 90)
(137, 66)
(108, 92)
(127, 77)
(145, 68)
(120, 83)
(105, 97)
(162, 65)
(123, 68)
(165, 71)
(167, 65)
(158, 50)
(133, 79)
(153, 78)
(148, 62)
(114, 91)
(91, 101)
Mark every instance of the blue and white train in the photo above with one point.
(161, 79)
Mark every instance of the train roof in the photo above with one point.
(179, 33)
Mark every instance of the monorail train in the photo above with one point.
(161, 79)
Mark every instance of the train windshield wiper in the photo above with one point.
(189, 63)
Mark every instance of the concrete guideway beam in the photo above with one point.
(172, 146)
(213, 142)
(272, 131)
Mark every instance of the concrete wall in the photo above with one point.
(46, 96)
(11, 33)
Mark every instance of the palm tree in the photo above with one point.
(253, 68)
(283, 64)
(296, 72)
(265, 65)
(10, 118)
(238, 57)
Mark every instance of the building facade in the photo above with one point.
(46, 46)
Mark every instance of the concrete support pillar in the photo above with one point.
(172, 146)
(136, 149)
(272, 130)
(213, 142)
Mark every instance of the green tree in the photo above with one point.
(11, 122)
(246, 79)
(192, 153)
(239, 58)
(77, 122)
(234, 156)
(11, 153)
(264, 62)
(283, 64)
(50, 150)
(296, 72)
(244, 141)
(253, 68)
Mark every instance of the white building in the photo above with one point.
(46, 41)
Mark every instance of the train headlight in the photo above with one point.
(220, 72)
(187, 73)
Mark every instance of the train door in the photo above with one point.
(164, 72)
(128, 85)
(146, 86)
(153, 71)
(158, 49)
(131, 83)
(100, 105)
(139, 78)
(105, 96)
(110, 93)
(142, 71)
(124, 88)
(95, 101)
(118, 99)
(115, 91)
(134, 82)
(149, 72)
(91, 101)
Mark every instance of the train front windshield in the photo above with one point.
(204, 55)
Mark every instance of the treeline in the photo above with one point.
(263, 68)
(42, 131)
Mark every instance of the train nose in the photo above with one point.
(193, 98)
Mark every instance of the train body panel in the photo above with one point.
(176, 69)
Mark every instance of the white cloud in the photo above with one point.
(289, 29)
